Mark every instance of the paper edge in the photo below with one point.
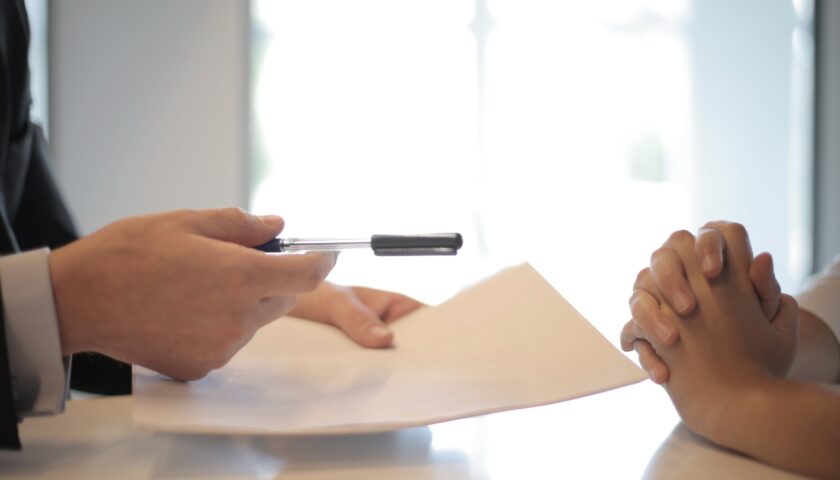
(363, 428)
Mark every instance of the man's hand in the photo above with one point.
(177, 292)
(665, 282)
(362, 313)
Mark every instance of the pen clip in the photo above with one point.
(409, 245)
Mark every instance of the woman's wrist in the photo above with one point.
(714, 409)
(739, 409)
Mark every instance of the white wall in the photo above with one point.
(148, 105)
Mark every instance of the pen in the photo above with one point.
(382, 245)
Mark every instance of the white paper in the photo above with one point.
(508, 342)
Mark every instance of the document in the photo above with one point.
(508, 342)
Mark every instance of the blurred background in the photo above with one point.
(572, 135)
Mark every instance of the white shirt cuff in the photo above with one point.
(40, 377)
(822, 296)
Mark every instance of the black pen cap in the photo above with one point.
(425, 244)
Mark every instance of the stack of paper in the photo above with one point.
(509, 342)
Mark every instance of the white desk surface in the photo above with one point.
(595, 437)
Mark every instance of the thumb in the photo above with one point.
(765, 284)
(786, 320)
(234, 225)
(359, 322)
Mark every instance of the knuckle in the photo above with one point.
(236, 215)
(736, 230)
(641, 321)
(681, 236)
(709, 238)
(638, 332)
(714, 225)
(660, 253)
(634, 297)
(628, 341)
(641, 315)
(642, 277)
(637, 300)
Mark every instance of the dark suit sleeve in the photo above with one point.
(41, 218)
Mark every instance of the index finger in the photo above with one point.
(292, 274)
(669, 275)
(709, 246)
(737, 253)
(765, 284)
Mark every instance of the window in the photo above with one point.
(38, 60)
(573, 135)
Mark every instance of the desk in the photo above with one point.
(591, 437)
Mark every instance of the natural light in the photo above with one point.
(559, 133)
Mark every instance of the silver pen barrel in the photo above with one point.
(322, 244)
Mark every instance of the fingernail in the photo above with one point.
(664, 332)
(681, 302)
(708, 264)
(272, 221)
(379, 331)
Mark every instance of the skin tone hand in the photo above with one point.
(726, 343)
(362, 313)
(177, 292)
(726, 368)
(818, 352)
(665, 279)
